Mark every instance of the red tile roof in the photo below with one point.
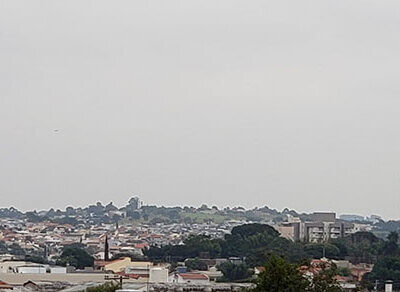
(193, 276)
(4, 285)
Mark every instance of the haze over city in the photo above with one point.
(229, 103)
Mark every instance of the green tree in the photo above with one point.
(345, 272)
(196, 264)
(318, 250)
(76, 257)
(391, 247)
(279, 275)
(234, 272)
(359, 247)
(386, 268)
(325, 281)
(106, 287)
(247, 230)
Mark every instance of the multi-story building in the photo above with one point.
(320, 227)
(325, 226)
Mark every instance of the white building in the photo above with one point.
(31, 269)
(191, 278)
(58, 270)
(158, 275)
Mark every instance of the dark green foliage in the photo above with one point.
(360, 247)
(316, 250)
(234, 272)
(324, 281)
(194, 246)
(135, 215)
(66, 220)
(106, 287)
(255, 242)
(13, 249)
(10, 213)
(36, 259)
(163, 214)
(75, 256)
(391, 247)
(34, 217)
(247, 230)
(259, 255)
(386, 268)
(3, 247)
(279, 275)
(345, 272)
(196, 264)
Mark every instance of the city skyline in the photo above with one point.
(140, 203)
(286, 104)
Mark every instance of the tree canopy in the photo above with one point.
(280, 275)
(75, 256)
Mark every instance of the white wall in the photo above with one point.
(58, 270)
(181, 280)
(31, 270)
(158, 275)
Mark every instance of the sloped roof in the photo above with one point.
(193, 276)
(4, 285)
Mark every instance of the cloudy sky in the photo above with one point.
(280, 103)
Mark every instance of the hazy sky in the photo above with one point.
(280, 103)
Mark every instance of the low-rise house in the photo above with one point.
(120, 265)
(191, 278)
(358, 271)
(31, 286)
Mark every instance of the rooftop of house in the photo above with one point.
(4, 285)
(193, 276)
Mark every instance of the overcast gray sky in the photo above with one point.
(280, 103)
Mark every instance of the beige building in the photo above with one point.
(287, 232)
(120, 265)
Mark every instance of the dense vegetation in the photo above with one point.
(106, 287)
(75, 255)
(255, 243)
(133, 211)
(280, 275)
(234, 272)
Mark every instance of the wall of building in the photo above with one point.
(158, 275)
(31, 270)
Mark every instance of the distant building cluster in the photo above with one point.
(32, 243)
(319, 227)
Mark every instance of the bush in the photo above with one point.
(106, 287)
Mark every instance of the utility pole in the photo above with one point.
(118, 278)
(106, 248)
(148, 279)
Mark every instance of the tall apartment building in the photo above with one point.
(321, 227)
